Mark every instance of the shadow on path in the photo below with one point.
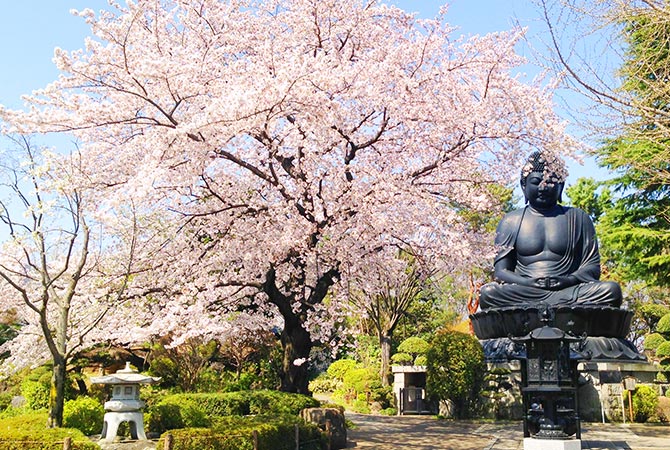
(428, 433)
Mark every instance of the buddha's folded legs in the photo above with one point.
(496, 295)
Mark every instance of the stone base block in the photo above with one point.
(551, 444)
(113, 419)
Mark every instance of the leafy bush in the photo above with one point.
(163, 416)
(651, 313)
(202, 409)
(28, 431)
(5, 400)
(645, 402)
(455, 370)
(663, 325)
(85, 414)
(410, 350)
(235, 433)
(324, 384)
(663, 350)
(414, 346)
(402, 359)
(36, 394)
(361, 380)
(340, 367)
(421, 360)
(652, 341)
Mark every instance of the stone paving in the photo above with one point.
(428, 433)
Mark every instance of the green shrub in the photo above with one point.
(645, 402)
(651, 313)
(85, 414)
(340, 367)
(29, 431)
(174, 412)
(421, 360)
(652, 341)
(414, 346)
(663, 350)
(455, 370)
(235, 433)
(361, 380)
(402, 359)
(36, 394)
(206, 439)
(5, 400)
(201, 409)
(162, 417)
(324, 384)
(663, 325)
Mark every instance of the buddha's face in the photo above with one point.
(540, 193)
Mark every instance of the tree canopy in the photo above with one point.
(295, 144)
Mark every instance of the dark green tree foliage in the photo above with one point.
(637, 223)
(455, 370)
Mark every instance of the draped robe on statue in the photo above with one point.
(581, 260)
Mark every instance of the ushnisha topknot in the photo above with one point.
(550, 164)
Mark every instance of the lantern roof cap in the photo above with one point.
(125, 376)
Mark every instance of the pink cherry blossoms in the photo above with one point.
(292, 144)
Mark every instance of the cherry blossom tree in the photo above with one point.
(393, 295)
(300, 141)
(56, 274)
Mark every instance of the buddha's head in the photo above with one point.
(543, 179)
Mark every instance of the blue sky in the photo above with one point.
(31, 29)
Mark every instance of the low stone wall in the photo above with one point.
(600, 393)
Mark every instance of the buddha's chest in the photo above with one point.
(539, 234)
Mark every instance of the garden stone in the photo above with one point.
(18, 401)
(338, 427)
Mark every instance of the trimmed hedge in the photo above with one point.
(29, 432)
(236, 433)
(202, 409)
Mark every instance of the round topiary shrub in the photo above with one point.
(414, 345)
(663, 325)
(651, 313)
(663, 350)
(402, 359)
(85, 414)
(652, 341)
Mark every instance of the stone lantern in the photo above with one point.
(125, 404)
(549, 387)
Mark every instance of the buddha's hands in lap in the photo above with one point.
(553, 283)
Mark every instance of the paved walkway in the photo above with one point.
(428, 433)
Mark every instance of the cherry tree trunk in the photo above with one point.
(385, 370)
(57, 393)
(297, 344)
(296, 340)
